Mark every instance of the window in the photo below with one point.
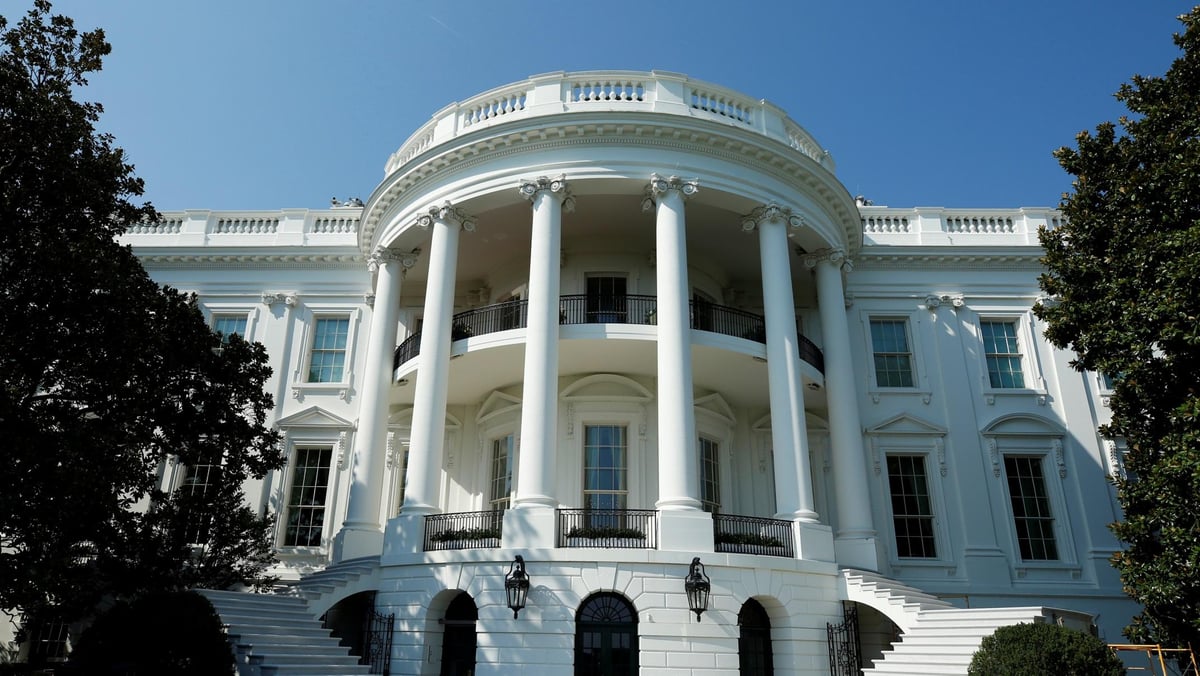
(1031, 508)
(912, 509)
(502, 459)
(893, 359)
(306, 500)
(328, 356)
(710, 476)
(198, 487)
(229, 324)
(1003, 354)
(605, 457)
(48, 641)
(606, 301)
(402, 480)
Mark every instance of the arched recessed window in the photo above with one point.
(606, 642)
(458, 640)
(754, 640)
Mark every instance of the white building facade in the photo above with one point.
(610, 322)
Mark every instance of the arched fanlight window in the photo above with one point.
(606, 642)
(754, 640)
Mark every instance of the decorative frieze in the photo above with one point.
(558, 185)
(953, 300)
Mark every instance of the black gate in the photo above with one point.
(377, 642)
(844, 651)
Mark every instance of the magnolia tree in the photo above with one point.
(1124, 273)
(105, 376)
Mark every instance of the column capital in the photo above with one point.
(446, 212)
(835, 256)
(772, 213)
(934, 301)
(661, 185)
(558, 185)
(383, 256)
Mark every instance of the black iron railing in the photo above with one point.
(627, 309)
(845, 652)
(753, 535)
(463, 530)
(609, 528)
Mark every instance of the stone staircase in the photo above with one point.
(325, 587)
(937, 637)
(278, 635)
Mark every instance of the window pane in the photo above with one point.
(1003, 354)
(327, 360)
(893, 359)
(1031, 508)
(229, 324)
(912, 508)
(502, 459)
(710, 476)
(604, 471)
(306, 499)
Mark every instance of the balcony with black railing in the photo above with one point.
(463, 530)
(753, 535)
(615, 309)
(608, 528)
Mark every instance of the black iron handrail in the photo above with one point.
(608, 528)
(627, 309)
(463, 530)
(753, 535)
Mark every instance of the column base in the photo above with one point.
(857, 552)
(685, 530)
(404, 535)
(353, 542)
(529, 528)
(814, 541)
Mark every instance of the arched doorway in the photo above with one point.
(754, 640)
(458, 639)
(606, 642)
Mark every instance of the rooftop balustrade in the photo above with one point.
(627, 309)
(631, 91)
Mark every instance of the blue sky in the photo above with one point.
(263, 104)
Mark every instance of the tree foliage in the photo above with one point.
(105, 376)
(1042, 649)
(1124, 273)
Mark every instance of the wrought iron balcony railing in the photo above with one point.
(617, 309)
(753, 535)
(608, 528)
(463, 530)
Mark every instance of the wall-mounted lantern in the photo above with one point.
(697, 586)
(516, 585)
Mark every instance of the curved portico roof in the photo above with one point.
(655, 110)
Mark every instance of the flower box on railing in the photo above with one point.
(585, 536)
(465, 530)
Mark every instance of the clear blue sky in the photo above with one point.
(260, 104)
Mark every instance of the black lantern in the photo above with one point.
(516, 585)
(697, 586)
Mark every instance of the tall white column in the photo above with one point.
(429, 405)
(536, 473)
(789, 431)
(855, 537)
(361, 534)
(678, 467)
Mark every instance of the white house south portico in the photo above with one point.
(612, 322)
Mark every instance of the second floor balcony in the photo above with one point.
(623, 309)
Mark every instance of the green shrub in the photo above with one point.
(595, 532)
(177, 633)
(453, 534)
(748, 539)
(1043, 650)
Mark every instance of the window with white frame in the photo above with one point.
(501, 475)
(1002, 352)
(1032, 515)
(912, 507)
(605, 466)
(227, 324)
(891, 352)
(710, 475)
(304, 522)
(327, 357)
(198, 487)
(401, 480)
